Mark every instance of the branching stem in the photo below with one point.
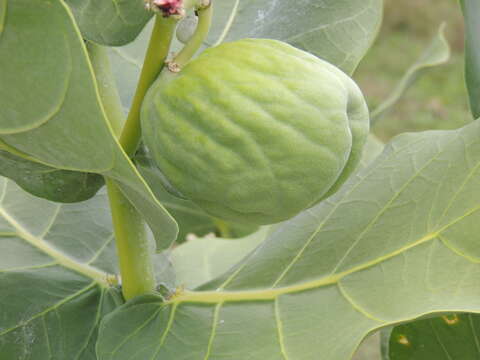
(196, 41)
(133, 247)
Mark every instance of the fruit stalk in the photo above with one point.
(205, 12)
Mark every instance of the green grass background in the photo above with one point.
(438, 100)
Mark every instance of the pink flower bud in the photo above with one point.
(169, 7)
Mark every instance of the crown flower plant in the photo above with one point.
(197, 179)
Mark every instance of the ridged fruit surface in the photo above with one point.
(255, 130)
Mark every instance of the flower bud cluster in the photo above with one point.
(166, 7)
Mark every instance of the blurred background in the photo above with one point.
(438, 100)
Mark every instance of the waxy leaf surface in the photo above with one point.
(48, 182)
(53, 112)
(58, 275)
(200, 260)
(110, 22)
(396, 243)
(339, 31)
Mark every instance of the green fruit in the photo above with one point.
(255, 130)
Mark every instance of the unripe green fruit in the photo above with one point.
(255, 130)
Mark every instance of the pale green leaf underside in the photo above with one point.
(56, 262)
(437, 53)
(58, 118)
(394, 244)
(201, 260)
(339, 31)
(110, 22)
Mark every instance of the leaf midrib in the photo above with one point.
(61, 258)
(214, 297)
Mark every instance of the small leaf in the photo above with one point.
(451, 336)
(110, 22)
(437, 53)
(48, 182)
(59, 119)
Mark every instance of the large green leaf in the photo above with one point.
(442, 338)
(339, 31)
(51, 110)
(48, 182)
(56, 269)
(110, 22)
(397, 242)
(58, 275)
(471, 11)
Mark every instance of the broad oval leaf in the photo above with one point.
(339, 31)
(390, 247)
(47, 182)
(58, 275)
(110, 22)
(67, 127)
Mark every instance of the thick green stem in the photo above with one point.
(196, 41)
(134, 250)
(155, 57)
